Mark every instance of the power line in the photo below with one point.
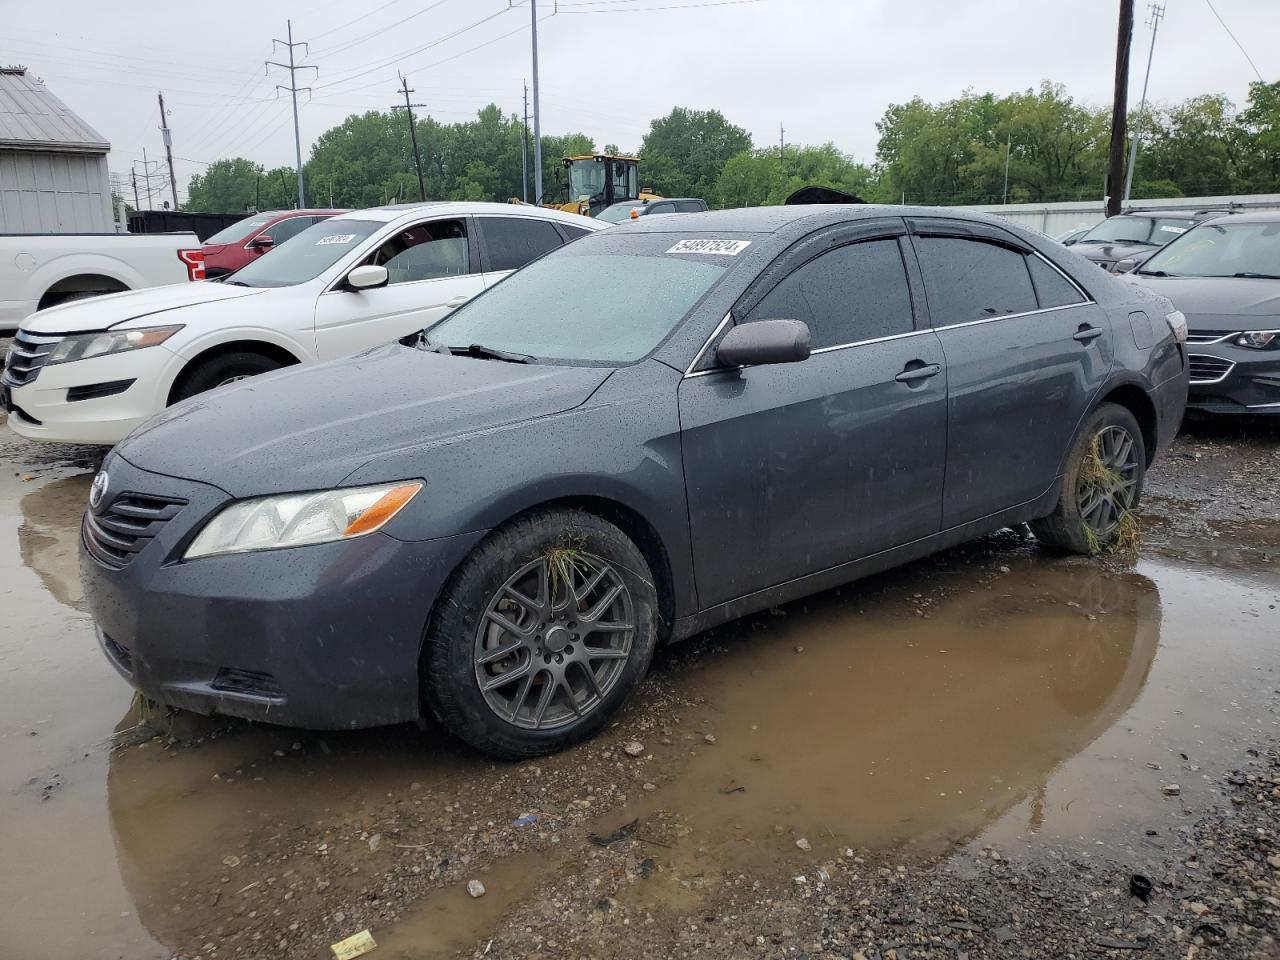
(570, 7)
(360, 19)
(1237, 42)
(330, 51)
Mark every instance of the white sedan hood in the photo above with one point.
(99, 313)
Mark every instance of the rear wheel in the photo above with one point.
(221, 370)
(1101, 486)
(540, 635)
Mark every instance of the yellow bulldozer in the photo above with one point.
(596, 181)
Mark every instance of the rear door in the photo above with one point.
(794, 468)
(433, 268)
(1026, 354)
(508, 243)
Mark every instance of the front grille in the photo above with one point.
(1207, 369)
(1207, 336)
(27, 354)
(131, 521)
(251, 682)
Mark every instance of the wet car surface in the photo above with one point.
(937, 734)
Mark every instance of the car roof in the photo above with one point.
(1201, 213)
(460, 208)
(1253, 216)
(812, 216)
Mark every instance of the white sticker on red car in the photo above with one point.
(720, 248)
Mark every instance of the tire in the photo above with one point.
(60, 298)
(1087, 516)
(220, 370)
(551, 646)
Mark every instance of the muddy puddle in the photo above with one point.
(993, 697)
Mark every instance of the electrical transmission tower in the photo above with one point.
(294, 90)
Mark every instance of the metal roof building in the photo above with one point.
(53, 165)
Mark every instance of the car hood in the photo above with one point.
(1223, 304)
(99, 313)
(310, 427)
(1113, 251)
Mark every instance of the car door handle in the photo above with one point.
(922, 372)
(1087, 334)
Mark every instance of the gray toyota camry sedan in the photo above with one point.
(641, 435)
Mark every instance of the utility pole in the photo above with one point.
(782, 140)
(413, 134)
(294, 90)
(168, 150)
(1156, 14)
(1008, 147)
(137, 204)
(537, 113)
(146, 176)
(524, 149)
(1119, 108)
(284, 188)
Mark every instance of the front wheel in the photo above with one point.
(1101, 486)
(221, 370)
(541, 634)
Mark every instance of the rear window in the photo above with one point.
(239, 230)
(969, 280)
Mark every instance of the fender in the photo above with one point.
(64, 266)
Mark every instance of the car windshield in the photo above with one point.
(1153, 231)
(616, 213)
(306, 256)
(240, 229)
(1221, 250)
(603, 299)
(586, 179)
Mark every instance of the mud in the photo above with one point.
(990, 714)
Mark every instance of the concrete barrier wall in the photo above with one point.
(1056, 218)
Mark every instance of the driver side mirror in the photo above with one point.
(1127, 265)
(263, 242)
(764, 342)
(367, 277)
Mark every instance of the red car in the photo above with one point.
(244, 241)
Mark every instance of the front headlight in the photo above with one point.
(83, 346)
(295, 519)
(1258, 339)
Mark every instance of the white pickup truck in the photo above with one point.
(42, 270)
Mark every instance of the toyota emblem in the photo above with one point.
(98, 490)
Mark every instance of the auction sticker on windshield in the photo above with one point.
(336, 238)
(722, 248)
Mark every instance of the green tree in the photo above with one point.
(684, 152)
(755, 178)
(226, 186)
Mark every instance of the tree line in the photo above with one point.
(1036, 145)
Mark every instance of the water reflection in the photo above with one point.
(49, 536)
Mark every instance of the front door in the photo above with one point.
(794, 468)
(1026, 355)
(432, 268)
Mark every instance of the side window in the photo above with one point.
(425, 251)
(1052, 288)
(574, 233)
(973, 280)
(514, 241)
(856, 292)
(690, 206)
(656, 208)
(282, 231)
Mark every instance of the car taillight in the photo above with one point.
(194, 260)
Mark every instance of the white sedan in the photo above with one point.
(91, 371)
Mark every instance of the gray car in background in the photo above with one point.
(641, 435)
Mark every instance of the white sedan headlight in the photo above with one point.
(295, 519)
(83, 346)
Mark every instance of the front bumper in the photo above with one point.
(42, 409)
(326, 636)
(1230, 379)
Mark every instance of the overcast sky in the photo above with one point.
(826, 69)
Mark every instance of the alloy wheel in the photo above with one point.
(554, 640)
(1108, 480)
